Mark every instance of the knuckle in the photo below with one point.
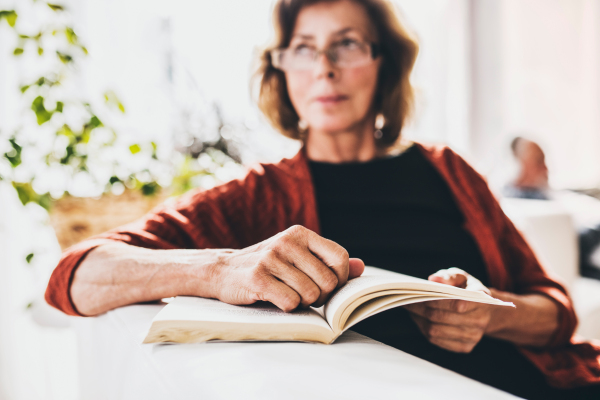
(476, 336)
(434, 315)
(257, 280)
(295, 230)
(429, 313)
(330, 283)
(313, 295)
(480, 325)
(284, 241)
(434, 331)
(342, 254)
(456, 306)
(467, 347)
(260, 269)
(290, 302)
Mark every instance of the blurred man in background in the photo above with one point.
(532, 179)
(532, 183)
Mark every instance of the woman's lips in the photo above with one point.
(331, 99)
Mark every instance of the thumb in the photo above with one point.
(451, 276)
(356, 268)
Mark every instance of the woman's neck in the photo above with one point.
(352, 145)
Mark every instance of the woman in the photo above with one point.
(337, 78)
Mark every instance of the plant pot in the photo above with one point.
(75, 218)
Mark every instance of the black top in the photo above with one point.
(398, 213)
(395, 213)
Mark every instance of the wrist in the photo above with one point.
(185, 273)
(199, 272)
(501, 316)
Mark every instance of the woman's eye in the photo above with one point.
(302, 49)
(348, 43)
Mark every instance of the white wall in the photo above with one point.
(536, 70)
(442, 72)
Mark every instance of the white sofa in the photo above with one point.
(550, 227)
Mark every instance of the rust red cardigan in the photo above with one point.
(273, 197)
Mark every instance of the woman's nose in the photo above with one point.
(324, 68)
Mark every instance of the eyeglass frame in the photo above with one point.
(374, 49)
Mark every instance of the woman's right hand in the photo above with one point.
(294, 268)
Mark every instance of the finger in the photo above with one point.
(457, 306)
(278, 293)
(318, 273)
(356, 268)
(449, 337)
(476, 285)
(441, 316)
(417, 308)
(451, 276)
(332, 254)
(463, 334)
(314, 268)
(296, 279)
(453, 345)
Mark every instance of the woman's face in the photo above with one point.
(329, 98)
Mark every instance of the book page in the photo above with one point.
(185, 308)
(376, 280)
(194, 319)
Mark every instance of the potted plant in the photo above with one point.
(65, 142)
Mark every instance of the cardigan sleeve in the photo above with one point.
(525, 272)
(215, 218)
(531, 277)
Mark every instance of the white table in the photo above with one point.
(114, 364)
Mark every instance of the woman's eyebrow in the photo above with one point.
(345, 30)
(307, 36)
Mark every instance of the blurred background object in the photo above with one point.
(154, 100)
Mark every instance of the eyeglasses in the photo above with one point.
(344, 54)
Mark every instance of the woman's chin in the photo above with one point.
(333, 128)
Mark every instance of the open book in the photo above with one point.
(194, 319)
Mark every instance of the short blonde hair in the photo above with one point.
(394, 97)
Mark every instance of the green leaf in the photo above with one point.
(40, 111)
(29, 305)
(112, 99)
(114, 179)
(70, 152)
(18, 51)
(59, 106)
(24, 191)
(45, 201)
(29, 257)
(84, 49)
(150, 188)
(28, 195)
(71, 35)
(95, 122)
(40, 51)
(66, 130)
(135, 148)
(64, 58)
(14, 155)
(85, 135)
(154, 148)
(10, 16)
(24, 88)
(56, 7)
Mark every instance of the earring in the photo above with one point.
(302, 125)
(379, 124)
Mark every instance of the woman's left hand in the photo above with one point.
(454, 325)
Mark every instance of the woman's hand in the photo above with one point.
(294, 268)
(454, 325)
